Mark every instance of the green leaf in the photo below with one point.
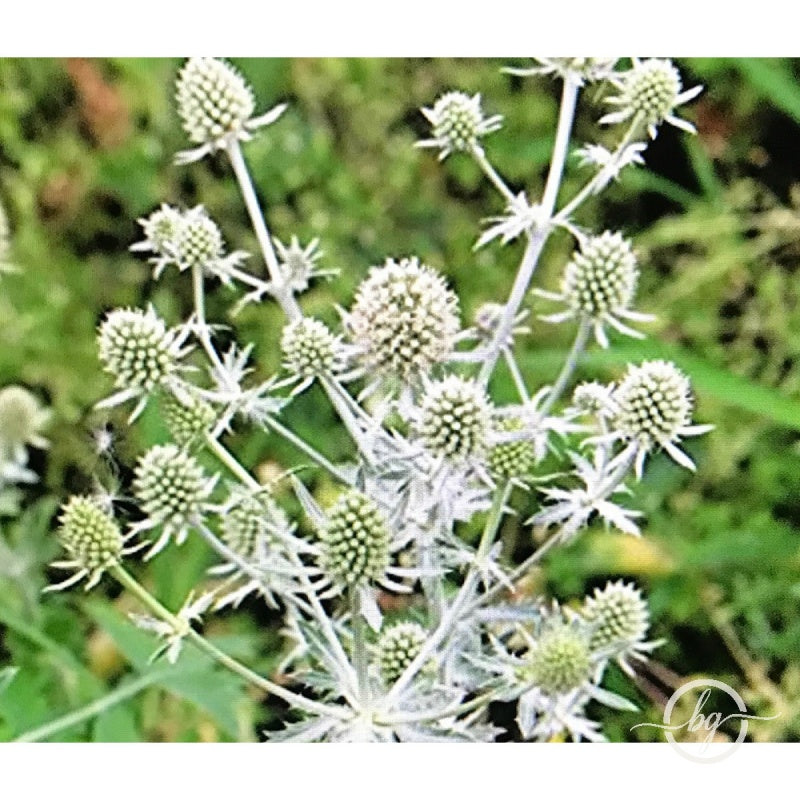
(7, 674)
(773, 81)
(118, 724)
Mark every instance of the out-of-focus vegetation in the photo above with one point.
(86, 147)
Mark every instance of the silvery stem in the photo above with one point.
(567, 369)
(539, 236)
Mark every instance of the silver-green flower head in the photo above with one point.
(458, 123)
(309, 348)
(161, 231)
(559, 659)
(601, 277)
(188, 417)
(488, 318)
(199, 240)
(215, 104)
(398, 646)
(137, 349)
(618, 615)
(91, 538)
(654, 402)
(593, 398)
(512, 459)
(650, 92)
(252, 521)
(599, 284)
(404, 319)
(213, 99)
(172, 491)
(455, 419)
(354, 544)
(21, 420)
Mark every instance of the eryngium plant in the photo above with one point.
(431, 449)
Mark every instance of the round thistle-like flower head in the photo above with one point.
(137, 349)
(398, 646)
(455, 418)
(355, 542)
(487, 319)
(601, 277)
(161, 229)
(170, 486)
(458, 120)
(213, 99)
(619, 616)
(309, 348)
(298, 264)
(652, 90)
(199, 241)
(89, 534)
(21, 417)
(404, 318)
(187, 418)
(560, 659)
(594, 398)
(511, 459)
(654, 403)
(250, 521)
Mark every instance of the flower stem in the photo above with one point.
(359, 646)
(491, 173)
(578, 345)
(183, 628)
(537, 239)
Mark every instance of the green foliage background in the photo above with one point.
(86, 147)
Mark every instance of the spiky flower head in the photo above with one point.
(309, 347)
(458, 123)
(161, 230)
(90, 535)
(215, 105)
(594, 398)
(559, 660)
(650, 92)
(188, 417)
(251, 521)
(618, 615)
(199, 240)
(404, 318)
(213, 99)
(655, 403)
(137, 349)
(602, 276)
(512, 459)
(171, 488)
(21, 419)
(354, 543)
(455, 418)
(398, 646)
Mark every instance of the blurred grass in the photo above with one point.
(86, 148)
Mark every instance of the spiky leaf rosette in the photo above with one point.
(188, 417)
(601, 277)
(398, 646)
(170, 486)
(455, 418)
(619, 616)
(137, 349)
(213, 99)
(309, 348)
(354, 544)
(560, 659)
(89, 534)
(404, 319)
